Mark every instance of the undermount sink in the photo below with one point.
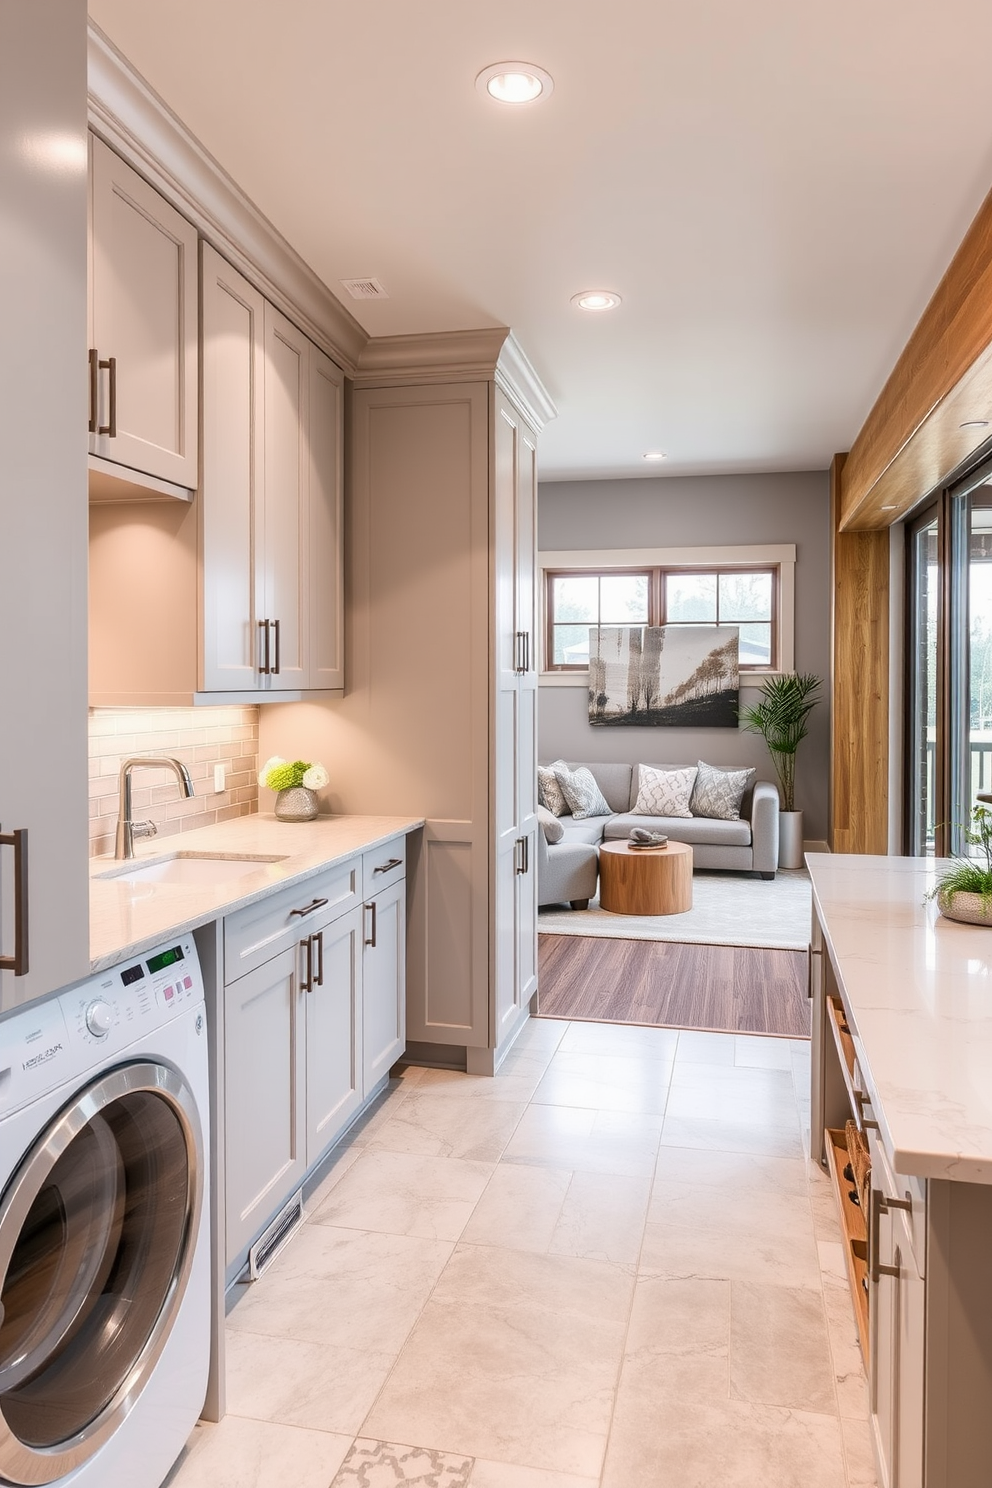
(189, 868)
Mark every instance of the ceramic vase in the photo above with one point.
(296, 803)
(790, 839)
(969, 908)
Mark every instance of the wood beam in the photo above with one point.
(912, 438)
(859, 729)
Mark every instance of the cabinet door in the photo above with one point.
(43, 503)
(233, 352)
(334, 1031)
(897, 1309)
(264, 1115)
(325, 570)
(144, 316)
(282, 537)
(384, 976)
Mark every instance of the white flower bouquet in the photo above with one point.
(278, 774)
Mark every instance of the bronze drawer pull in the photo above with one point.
(387, 867)
(264, 666)
(308, 908)
(18, 962)
(318, 941)
(277, 648)
(370, 939)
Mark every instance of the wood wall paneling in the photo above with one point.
(912, 438)
(860, 684)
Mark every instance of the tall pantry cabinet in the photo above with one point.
(44, 885)
(439, 712)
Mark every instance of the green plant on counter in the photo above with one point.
(970, 875)
(781, 718)
(279, 774)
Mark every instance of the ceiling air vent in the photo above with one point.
(365, 289)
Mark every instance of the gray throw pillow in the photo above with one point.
(550, 825)
(580, 790)
(718, 793)
(549, 791)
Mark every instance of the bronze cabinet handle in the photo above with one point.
(370, 939)
(111, 429)
(387, 867)
(264, 667)
(94, 387)
(318, 941)
(18, 962)
(277, 649)
(308, 908)
(306, 980)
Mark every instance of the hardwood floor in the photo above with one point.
(733, 989)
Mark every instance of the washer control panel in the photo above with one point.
(52, 1041)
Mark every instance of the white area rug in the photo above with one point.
(727, 909)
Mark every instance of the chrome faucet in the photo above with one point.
(127, 829)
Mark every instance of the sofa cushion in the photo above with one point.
(581, 792)
(550, 825)
(549, 791)
(664, 792)
(613, 780)
(703, 830)
(718, 793)
(585, 829)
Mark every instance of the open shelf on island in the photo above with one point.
(837, 1019)
(855, 1234)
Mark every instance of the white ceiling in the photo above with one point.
(774, 188)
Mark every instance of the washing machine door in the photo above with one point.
(97, 1233)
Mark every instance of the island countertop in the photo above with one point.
(918, 991)
(128, 918)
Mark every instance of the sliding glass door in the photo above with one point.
(950, 665)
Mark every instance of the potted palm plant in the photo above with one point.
(781, 717)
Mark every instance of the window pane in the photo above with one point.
(571, 645)
(623, 599)
(924, 594)
(979, 765)
(690, 597)
(745, 596)
(576, 597)
(756, 645)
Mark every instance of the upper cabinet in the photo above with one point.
(142, 327)
(271, 497)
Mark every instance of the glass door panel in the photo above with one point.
(975, 713)
(925, 619)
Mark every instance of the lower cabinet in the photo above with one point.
(308, 1037)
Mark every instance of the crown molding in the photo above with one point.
(516, 376)
(434, 356)
(127, 113)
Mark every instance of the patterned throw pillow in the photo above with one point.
(664, 792)
(718, 793)
(581, 792)
(550, 825)
(549, 791)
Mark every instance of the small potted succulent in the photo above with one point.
(296, 783)
(964, 890)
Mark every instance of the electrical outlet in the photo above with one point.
(220, 772)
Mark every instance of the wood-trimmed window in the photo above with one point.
(722, 594)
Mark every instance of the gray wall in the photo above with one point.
(698, 511)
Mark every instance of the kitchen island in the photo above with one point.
(902, 1047)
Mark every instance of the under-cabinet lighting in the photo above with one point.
(515, 82)
(655, 455)
(974, 424)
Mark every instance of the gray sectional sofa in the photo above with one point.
(567, 870)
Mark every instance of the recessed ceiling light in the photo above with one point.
(655, 455)
(596, 299)
(515, 82)
(974, 424)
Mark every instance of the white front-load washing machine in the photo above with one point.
(104, 1238)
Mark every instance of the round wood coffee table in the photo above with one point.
(645, 880)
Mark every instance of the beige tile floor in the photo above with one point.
(610, 1267)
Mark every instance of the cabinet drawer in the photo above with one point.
(253, 935)
(384, 866)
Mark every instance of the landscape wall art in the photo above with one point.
(672, 676)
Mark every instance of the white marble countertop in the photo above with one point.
(128, 918)
(918, 992)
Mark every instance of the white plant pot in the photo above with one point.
(790, 839)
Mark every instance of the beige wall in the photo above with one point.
(201, 738)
